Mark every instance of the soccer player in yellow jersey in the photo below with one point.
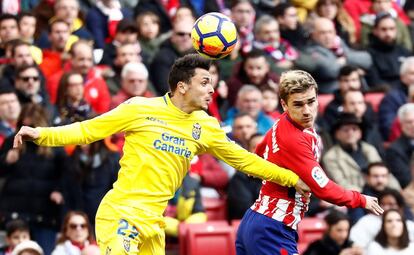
(162, 135)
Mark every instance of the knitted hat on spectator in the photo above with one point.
(27, 245)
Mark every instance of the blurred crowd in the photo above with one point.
(64, 61)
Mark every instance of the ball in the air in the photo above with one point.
(214, 35)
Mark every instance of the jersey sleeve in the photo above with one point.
(234, 155)
(298, 156)
(85, 132)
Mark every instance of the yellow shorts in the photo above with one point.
(124, 230)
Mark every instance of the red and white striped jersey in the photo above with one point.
(289, 145)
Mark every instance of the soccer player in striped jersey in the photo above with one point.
(269, 226)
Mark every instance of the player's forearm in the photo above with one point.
(60, 136)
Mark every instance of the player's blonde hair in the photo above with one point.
(295, 81)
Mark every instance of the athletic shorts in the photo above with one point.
(261, 235)
(119, 231)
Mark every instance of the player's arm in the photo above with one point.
(247, 162)
(301, 161)
(119, 119)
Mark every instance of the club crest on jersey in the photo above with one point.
(319, 176)
(196, 131)
(127, 244)
(108, 251)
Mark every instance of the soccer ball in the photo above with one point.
(214, 36)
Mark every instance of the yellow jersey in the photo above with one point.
(160, 141)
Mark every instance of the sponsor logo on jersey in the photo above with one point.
(196, 131)
(127, 244)
(319, 176)
(156, 120)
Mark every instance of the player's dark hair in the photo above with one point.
(184, 69)
(16, 225)
(382, 237)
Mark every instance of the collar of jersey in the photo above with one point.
(169, 103)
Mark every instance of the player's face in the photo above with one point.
(339, 232)
(200, 90)
(302, 107)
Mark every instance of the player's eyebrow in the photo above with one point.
(208, 78)
(308, 100)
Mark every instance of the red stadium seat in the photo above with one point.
(216, 208)
(374, 99)
(311, 229)
(183, 230)
(324, 100)
(204, 239)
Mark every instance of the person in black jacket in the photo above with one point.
(335, 241)
(32, 190)
(386, 53)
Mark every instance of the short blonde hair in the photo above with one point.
(295, 81)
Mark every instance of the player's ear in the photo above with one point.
(284, 105)
(182, 87)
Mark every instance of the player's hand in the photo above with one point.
(25, 134)
(303, 189)
(373, 206)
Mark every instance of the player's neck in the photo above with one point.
(179, 102)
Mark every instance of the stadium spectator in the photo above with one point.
(290, 28)
(386, 53)
(395, 98)
(354, 102)
(243, 189)
(270, 102)
(103, 18)
(393, 236)
(349, 77)
(96, 91)
(76, 234)
(126, 33)
(28, 248)
(33, 196)
(327, 53)
(399, 153)
(336, 238)
(149, 33)
(70, 103)
(177, 46)
(27, 26)
(368, 20)
(219, 104)
(377, 179)
(54, 57)
(17, 231)
(346, 161)
(250, 101)
(124, 53)
(89, 174)
(267, 38)
(69, 12)
(20, 55)
(243, 15)
(254, 70)
(134, 83)
(9, 30)
(344, 25)
(164, 10)
(28, 87)
(9, 112)
(389, 199)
